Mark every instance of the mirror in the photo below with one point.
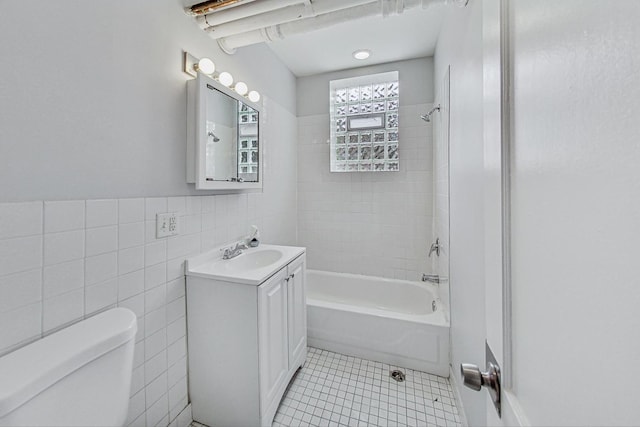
(225, 144)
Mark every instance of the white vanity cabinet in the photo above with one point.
(246, 341)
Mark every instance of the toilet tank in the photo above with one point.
(79, 376)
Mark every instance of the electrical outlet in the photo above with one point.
(167, 224)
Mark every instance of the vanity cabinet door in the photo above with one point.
(272, 336)
(297, 312)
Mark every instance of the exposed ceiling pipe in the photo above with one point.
(327, 20)
(244, 10)
(210, 6)
(284, 15)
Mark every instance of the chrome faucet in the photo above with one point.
(432, 278)
(233, 252)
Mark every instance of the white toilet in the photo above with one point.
(79, 376)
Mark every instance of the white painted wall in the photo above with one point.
(93, 114)
(460, 46)
(367, 223)
(94, 99)
(575, 210)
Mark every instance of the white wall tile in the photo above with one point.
(18, 290)
(20, 219)
(131, 210)
(64, 216)
(176, 351)
(155, 275)
(175, 268)
(100, 268)
(20, 254)
(135, 304)
(100, 296)
(101, 240)
(62, 278)
(177, 371)
(154, 321)
(131, 259)
(154, 205)
(193, 205)
(176, 309)
(153, 368)
(62, 247)
(25, 324)
(101, 213)
(155, 344)
(137, 381)
(130, 284)
(177, 204)
(157, 411)
(63, 309)
(156, 388)
(130, 235)
(177, 394)
(176, 330)
(155, 298)
(155, 253)
(175, 289)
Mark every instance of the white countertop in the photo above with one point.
(210, 265)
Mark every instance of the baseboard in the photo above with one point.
(455, 386)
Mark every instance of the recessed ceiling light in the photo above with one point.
(362, 54)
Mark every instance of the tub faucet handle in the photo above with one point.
(435, 247)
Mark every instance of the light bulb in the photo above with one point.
(225, 78)
(241, 88)
(206, 66)
(362, 54)
(254, 96)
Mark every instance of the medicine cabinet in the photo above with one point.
(224, 144)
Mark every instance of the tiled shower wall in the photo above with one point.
(61, 261)
(377, 223)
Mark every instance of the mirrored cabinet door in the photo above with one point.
(223, 138)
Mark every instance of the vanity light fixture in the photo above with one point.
(241, 88)
(225, 78)
(193, 65)
(205, 65)
(362, 54)
(254, 96)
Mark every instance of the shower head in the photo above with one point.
(427, 117)
(215, 138)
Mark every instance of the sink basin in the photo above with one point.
(252, 267)
(252, 260)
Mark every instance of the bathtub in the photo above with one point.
(385, 320)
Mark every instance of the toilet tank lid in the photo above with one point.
(35, 367)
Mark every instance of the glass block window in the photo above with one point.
(364, 123)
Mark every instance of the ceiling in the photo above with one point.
(412, 34)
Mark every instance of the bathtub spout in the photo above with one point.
(432, 278)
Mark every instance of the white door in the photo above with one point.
(502, 406)
(272, 336)
(297, 313)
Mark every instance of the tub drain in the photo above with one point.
(398, 375)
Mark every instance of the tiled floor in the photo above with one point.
(336, 390)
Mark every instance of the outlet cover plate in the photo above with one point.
(167, 224)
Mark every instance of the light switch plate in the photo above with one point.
(167, 224)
